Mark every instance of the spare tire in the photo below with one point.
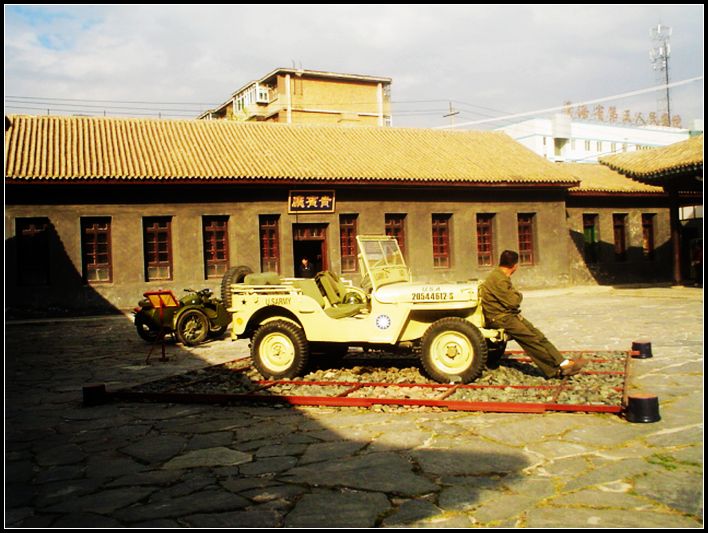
(233, 275)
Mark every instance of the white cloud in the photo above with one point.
(511, 58)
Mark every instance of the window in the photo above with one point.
(347, 242)
(485, 238)
(96, 258)
(270, 243)
(590, 238)
(619, 224)
(157, 239)
(441, 241)
(526, 244)
(215, 231)
(33, 250)
(395, 226)
(648, 235)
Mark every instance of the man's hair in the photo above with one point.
(508, 258)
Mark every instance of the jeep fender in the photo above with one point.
(269, 314)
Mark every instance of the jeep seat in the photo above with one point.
(335, 292)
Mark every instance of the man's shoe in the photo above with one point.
(573, 368)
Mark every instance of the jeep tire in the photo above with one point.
(233, 275)
(453, 351)
(279, 349)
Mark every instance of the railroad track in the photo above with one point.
(367, 380)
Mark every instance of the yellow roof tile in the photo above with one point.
(679, 157)
(76, 148)
(599, 178)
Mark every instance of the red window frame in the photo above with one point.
(157, 242)
(347, 242)
(485, 239)
(96, 250)
(395, 226)
(648, 243)
(270, 242)
(526, 240)
(215, 230)
(619, 227)
(33, 251)
(441, 240)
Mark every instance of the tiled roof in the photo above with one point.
(82, 148)
(595, 178)
(684, 156)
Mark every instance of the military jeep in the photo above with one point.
(287, 319)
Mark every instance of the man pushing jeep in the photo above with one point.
(501, 303)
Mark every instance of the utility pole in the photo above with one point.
(659, 56)
(452, 114)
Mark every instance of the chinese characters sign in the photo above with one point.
(311, 202)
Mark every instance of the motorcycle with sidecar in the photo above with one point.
(195, 317)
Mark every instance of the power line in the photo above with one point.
(49, 98)
(588, 102)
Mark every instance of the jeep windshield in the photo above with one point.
(382, 261)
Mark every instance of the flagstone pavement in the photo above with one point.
(167, 465)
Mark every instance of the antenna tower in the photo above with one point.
(659, 56)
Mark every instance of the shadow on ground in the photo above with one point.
(167, 465)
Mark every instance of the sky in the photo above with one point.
(487, 61)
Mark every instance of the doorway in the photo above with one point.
(310, 241)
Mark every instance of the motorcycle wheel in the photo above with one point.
(146, 332)
(192, 327)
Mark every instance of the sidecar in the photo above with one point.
(192, 319)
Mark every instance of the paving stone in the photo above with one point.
(384, 472)
(326, 451)
(219, 456)
(105, 502)
(268, 465)
(61, 455)
(349, 509)
(156, 449)
(468, 459)
(71, 466)
(603, 518)
(208, 501)
(503, 507)
(252, 518)
(86, 520)
(412, 513)
(605, 497)
(678, 489)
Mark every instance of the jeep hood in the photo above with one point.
(427, 293)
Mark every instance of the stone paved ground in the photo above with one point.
(158, 465)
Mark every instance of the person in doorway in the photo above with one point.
(306, 269)
(501, 303)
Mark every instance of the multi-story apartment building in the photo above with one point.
(301, 96)
(562, 139)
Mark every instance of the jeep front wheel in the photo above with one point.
(453, 350)
(279, 349)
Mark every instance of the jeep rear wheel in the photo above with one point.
(279, 349)
(453, 350)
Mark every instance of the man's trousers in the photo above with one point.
(533, 341)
